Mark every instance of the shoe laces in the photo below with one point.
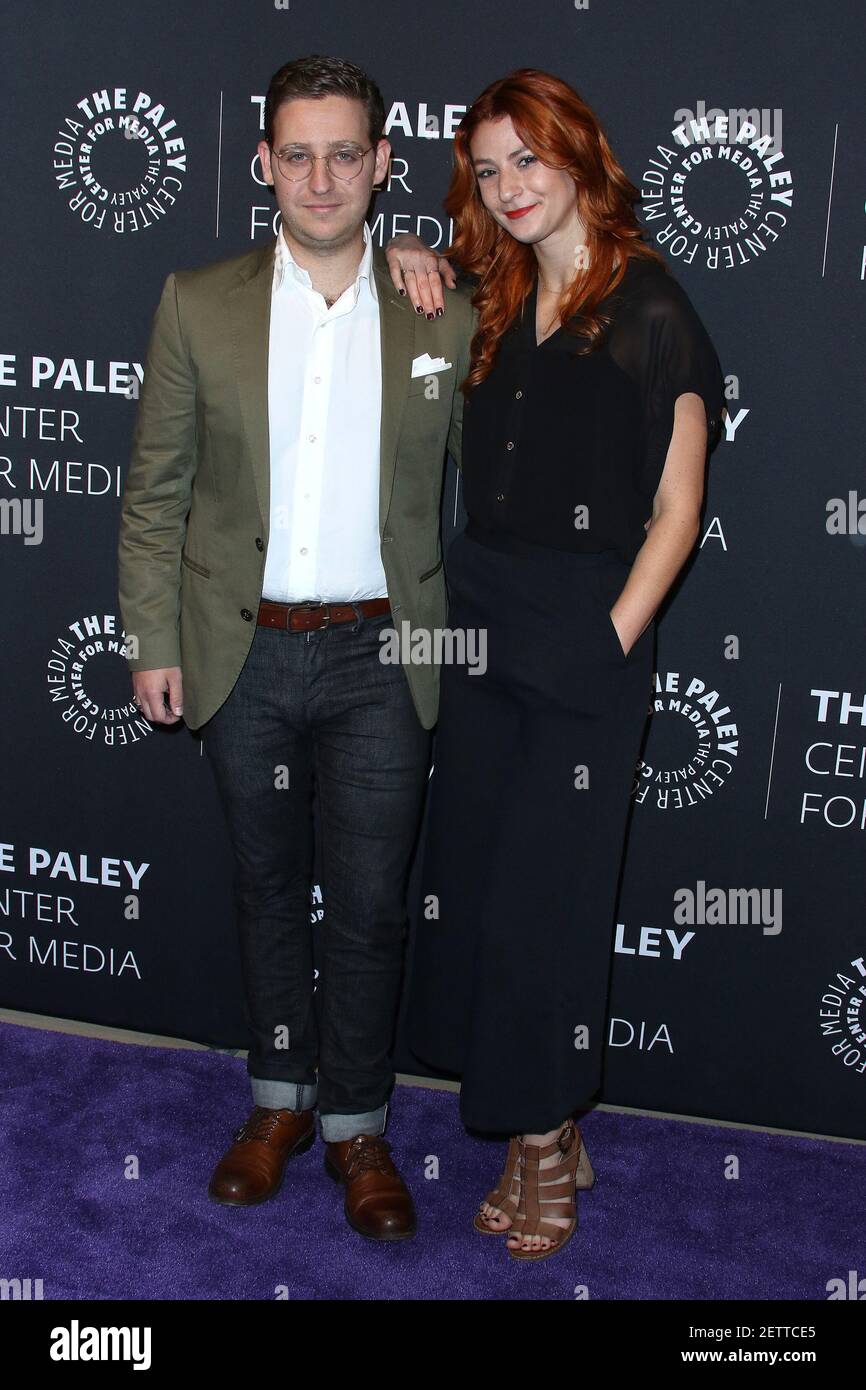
(368, 1154)
(260, 1125)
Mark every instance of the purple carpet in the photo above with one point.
(661, 1222)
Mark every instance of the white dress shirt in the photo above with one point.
(324, 414)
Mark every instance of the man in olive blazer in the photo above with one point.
(295, 696)
(194, 522)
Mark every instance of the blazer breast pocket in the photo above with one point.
(433, 384)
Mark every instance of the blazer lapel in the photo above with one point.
(250, 313)
(397, 336)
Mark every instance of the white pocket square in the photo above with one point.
(425, 364)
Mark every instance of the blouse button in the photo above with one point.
(500, 497)
(510, 444)
(518, 395)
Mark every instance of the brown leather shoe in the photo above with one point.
(252, 1169)
(378, 1203)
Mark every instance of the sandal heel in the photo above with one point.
(585, 1173)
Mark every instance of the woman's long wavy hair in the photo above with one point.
(564, 133)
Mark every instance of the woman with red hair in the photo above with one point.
(592, 399)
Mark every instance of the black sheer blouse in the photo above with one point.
(567, 451)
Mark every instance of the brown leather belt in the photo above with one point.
(306, 617)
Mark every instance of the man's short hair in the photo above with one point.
(319, 76)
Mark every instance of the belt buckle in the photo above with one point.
(314, 603)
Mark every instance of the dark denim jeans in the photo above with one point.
(320, 707)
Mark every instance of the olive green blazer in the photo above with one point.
(194, 520)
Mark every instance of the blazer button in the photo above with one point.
(260, 545)
(246, 615)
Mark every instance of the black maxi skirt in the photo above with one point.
(535, 761)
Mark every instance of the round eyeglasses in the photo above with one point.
(296, 165)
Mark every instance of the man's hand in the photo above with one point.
(418, 272)
(149, 689)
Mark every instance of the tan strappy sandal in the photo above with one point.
(505, 1196)
(549, 1192)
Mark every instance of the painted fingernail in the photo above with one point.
(431, 316)
(439, 313)
(418, 309)
(401, 291)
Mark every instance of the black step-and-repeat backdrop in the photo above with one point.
(739, 986)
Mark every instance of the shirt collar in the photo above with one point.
(287, 270)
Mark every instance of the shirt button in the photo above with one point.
(500, 496)
(518, 395)
(510, 444)
(303, 550)
(317, 379)
(312, 438)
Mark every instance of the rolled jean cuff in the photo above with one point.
(338, 1127)
(283, 1095)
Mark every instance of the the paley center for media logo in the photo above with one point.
(119, 159)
